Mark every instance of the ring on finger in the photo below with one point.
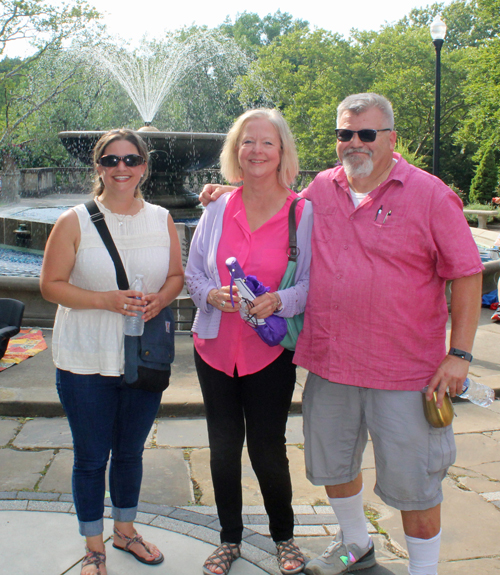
(125, 306)
(222, 303)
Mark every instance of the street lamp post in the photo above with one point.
(438, 33)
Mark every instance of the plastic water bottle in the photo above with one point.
(133, 324)
(477, 393)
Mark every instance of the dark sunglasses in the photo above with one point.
(366, 135)
(131, 160)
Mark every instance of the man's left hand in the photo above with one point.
(450, 376)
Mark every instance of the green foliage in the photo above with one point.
(252, 32)
(305, 75)
(275, 60)
(485, 181)
(46, 27)
(460, 193)
(402, 148)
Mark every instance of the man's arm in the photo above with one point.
(465, 310)
(211, 192)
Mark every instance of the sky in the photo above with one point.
(131, 19)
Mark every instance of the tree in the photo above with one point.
(305, 75)
(485, 181)
(251, 32)
(46, 27)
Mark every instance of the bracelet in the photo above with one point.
(279, 303)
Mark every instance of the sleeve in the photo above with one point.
(457, 252)
(198, 282)
(294, 298)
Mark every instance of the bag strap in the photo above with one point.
(293, 250)
(99, 222)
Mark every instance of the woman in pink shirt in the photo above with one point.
(247, 385)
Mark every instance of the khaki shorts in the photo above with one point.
(411, 456)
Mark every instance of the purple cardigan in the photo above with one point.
(202, 275)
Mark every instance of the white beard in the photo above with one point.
(356, 167)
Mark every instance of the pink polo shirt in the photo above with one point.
(262, 253)
(376, 311)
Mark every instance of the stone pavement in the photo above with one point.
(177, 506)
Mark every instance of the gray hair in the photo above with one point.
(359, 103)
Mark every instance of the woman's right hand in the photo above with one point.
(125, 302)
(221, 299)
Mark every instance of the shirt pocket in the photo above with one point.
(325, 223)
(389, 238)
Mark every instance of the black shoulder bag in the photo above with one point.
(147, 357)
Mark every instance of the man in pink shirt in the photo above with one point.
(386, 237)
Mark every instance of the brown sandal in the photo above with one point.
(137, 539)
(94, 558)
(222, 557)
(288, 551)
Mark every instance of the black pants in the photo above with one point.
(259, 402)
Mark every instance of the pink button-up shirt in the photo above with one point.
(262, 253)
(376, 311)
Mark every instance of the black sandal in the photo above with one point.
(222, 557)
(288, 551)
(94, 558)
(137, 539)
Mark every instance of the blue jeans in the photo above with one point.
(106, 416)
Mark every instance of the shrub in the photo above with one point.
(485, 181)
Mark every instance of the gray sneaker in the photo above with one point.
(340, 558)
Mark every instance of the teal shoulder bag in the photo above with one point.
(295, 323)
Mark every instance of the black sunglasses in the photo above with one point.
(131, 160)
(366, 135)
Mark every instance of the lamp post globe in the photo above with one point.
(438, 34)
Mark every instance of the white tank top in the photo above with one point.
(91, 340)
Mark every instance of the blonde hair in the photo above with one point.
(103, 143)
(289, 165)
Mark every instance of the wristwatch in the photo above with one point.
(460, 353)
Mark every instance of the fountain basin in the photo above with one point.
(172, 156)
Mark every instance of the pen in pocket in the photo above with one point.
(379, 211)
(387, 215)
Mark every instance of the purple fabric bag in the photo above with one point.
(270, 330)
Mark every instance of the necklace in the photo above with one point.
(120, 218)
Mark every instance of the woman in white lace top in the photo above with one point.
(104, 414)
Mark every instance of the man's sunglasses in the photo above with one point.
(366, 135)
(131, 160)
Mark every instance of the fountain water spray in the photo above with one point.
(150, 74)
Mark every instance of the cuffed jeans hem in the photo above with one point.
(126, 515)
(409, 505)
(91, 528)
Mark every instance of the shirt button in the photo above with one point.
(345, 247)
(339, 276)
(351, 218)
(334, 338)
(335, 307)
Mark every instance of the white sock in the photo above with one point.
(424, 555)
(352, 520)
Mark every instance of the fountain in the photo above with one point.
(150, 76)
